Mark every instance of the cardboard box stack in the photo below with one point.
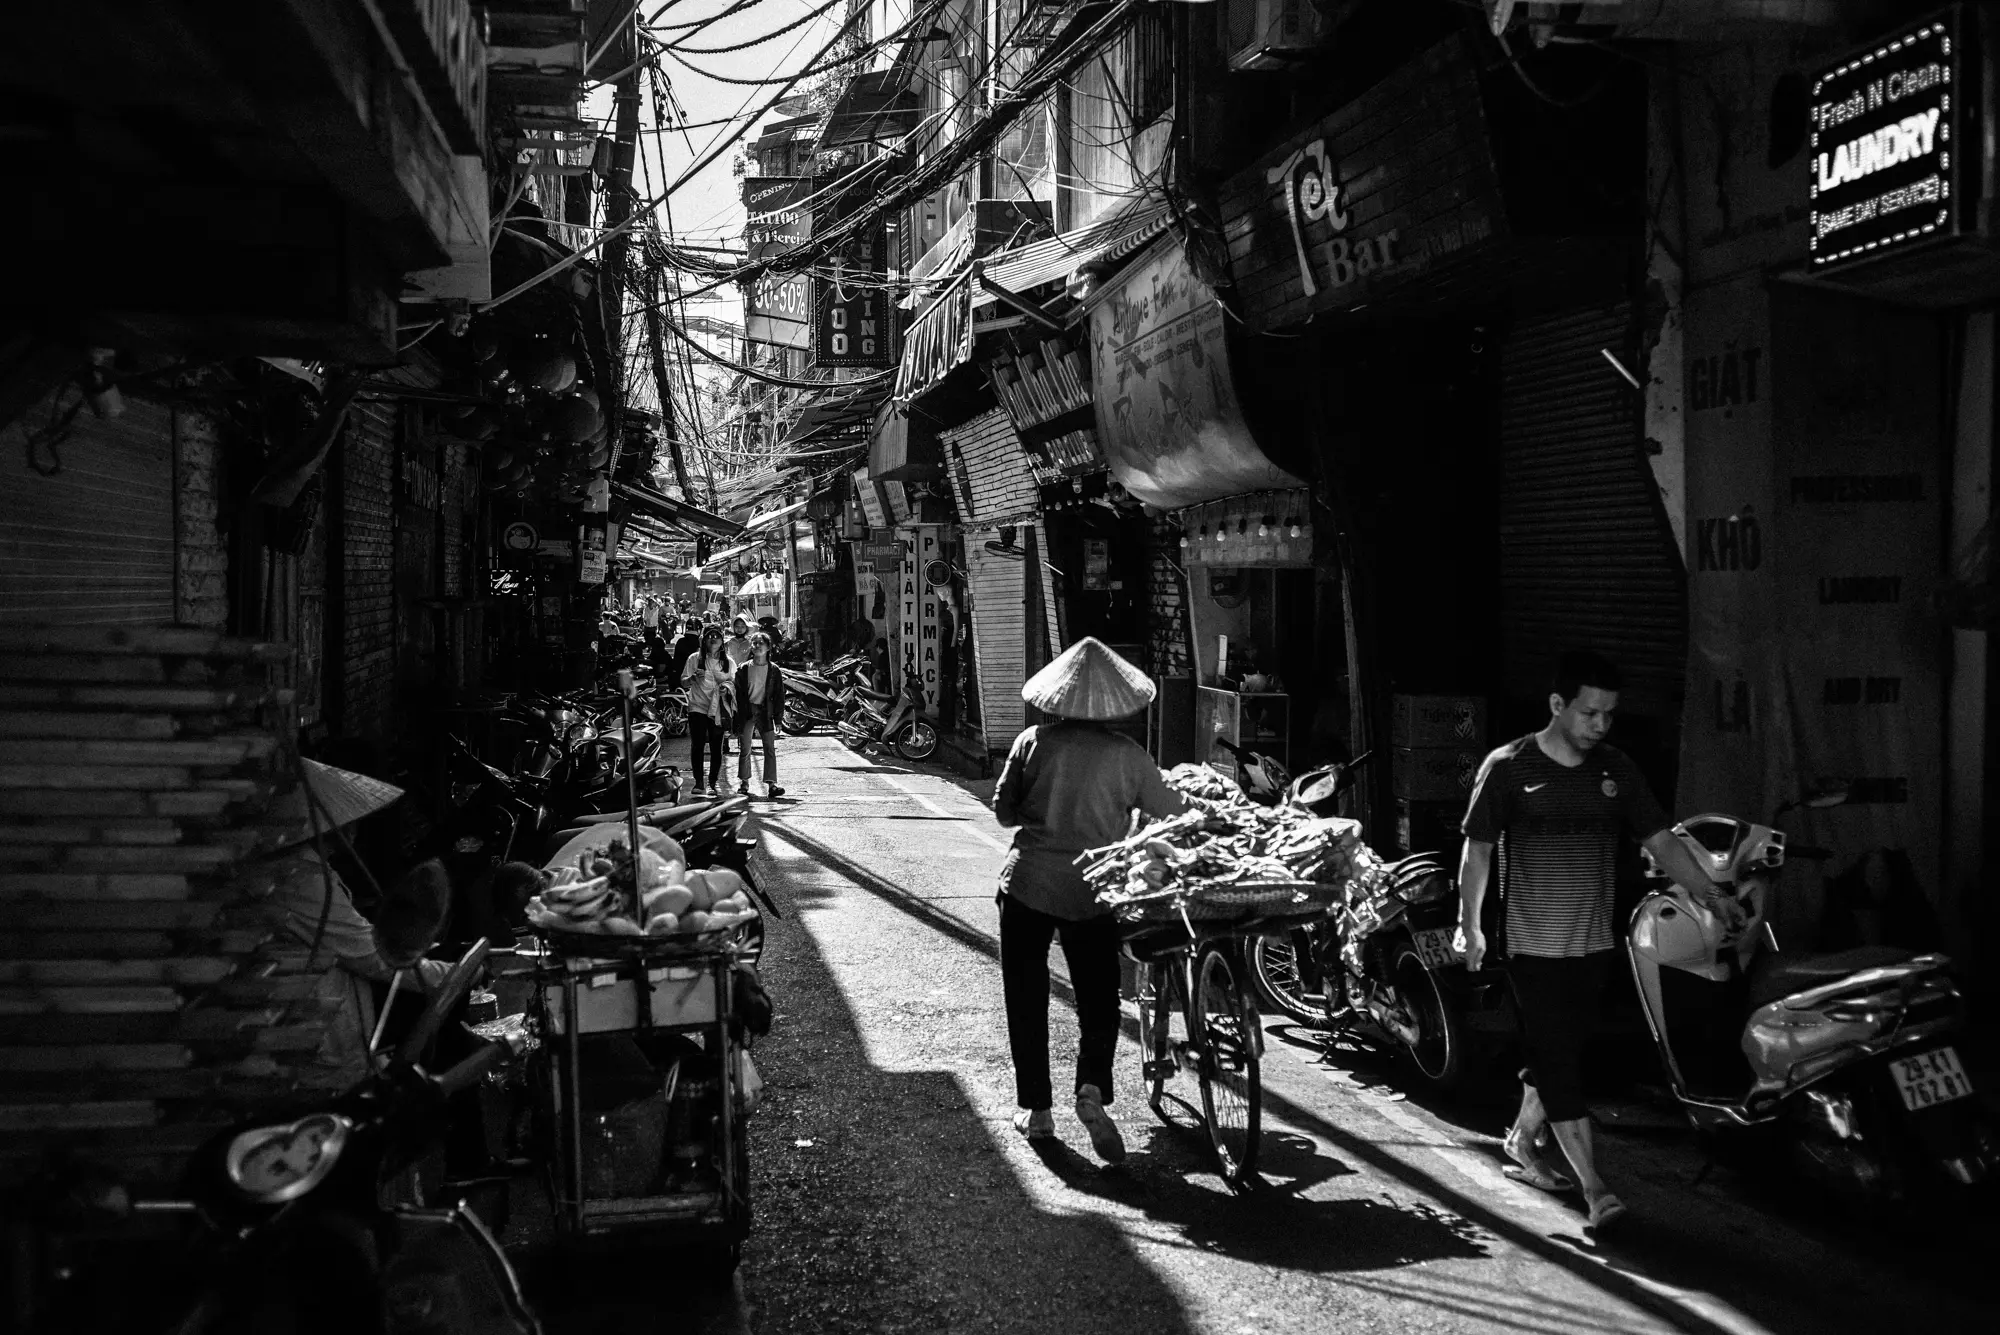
(1438, 742)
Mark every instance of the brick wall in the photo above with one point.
(368, 562)
(201, 552)
(1166, 603)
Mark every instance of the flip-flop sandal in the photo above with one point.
(1529, 1169)
(1538, 1177)
(1605, 1211)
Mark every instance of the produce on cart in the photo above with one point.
(1231, 858)
(597, 892)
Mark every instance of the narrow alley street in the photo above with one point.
(893, 1195)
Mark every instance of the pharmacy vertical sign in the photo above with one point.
(917, 621)
(1887, 160)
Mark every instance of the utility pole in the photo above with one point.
(618, 203)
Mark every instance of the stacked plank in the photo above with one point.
(144, 1002)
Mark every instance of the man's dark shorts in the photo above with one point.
(1557, 999)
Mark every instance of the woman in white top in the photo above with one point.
(709, 678)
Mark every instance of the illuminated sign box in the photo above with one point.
(1895, 168)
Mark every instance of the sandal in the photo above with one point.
(1539, 1176)
(1605, 1211)
(1035, 1123)
(1529, 1169)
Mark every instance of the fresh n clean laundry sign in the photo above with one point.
(1883, 154)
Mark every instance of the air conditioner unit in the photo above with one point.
(1274, 34)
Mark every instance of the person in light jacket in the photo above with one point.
(760, 703)
(708, 680)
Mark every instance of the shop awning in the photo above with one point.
(761, 586)
(874, 108)
(658, 505)
(902, 450)
(728, 554)
(836, 416)
(1103, 242)
(940, 338)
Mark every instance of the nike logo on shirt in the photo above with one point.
(1533, 787)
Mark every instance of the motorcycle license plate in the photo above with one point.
(1435, 948)
(1930, 1078)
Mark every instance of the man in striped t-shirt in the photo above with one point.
(1555, 804)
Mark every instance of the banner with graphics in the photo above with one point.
(1814, 533)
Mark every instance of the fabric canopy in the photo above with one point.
(835, 415)
(761, 586)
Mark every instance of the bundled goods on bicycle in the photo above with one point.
(610, 893)
(1229, 858)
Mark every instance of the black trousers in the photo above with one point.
(1091, 949)
(1558, 1000)
(706, 737)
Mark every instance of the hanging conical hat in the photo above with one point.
(1089, 680)
(343, 797)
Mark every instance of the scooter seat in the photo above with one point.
(880, 697)
(1780, 975)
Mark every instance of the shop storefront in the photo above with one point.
(1837, 459)
(1444, 319)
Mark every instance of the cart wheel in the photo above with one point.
(1231, 1093)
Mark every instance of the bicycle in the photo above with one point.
(1221, 1038)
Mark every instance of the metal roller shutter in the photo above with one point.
(91, 542)
(999, 586)
(1586, 559)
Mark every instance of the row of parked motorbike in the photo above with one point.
(1847, 1066)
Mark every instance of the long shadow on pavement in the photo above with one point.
(884, 1204)
(1654, 1255)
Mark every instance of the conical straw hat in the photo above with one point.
(1089, 680)
(344, 797)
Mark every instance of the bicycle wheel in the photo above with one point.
(1229, 1040)
(673, 716)
(1156, 1016)
(1285, 976)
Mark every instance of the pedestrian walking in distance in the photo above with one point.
(1070, 784)
(1554, 803)
(760, 703)
(710, 682)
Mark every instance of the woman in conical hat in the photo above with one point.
(320, 932)
(1070, 784)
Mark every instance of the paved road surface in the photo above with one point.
(893, 1195)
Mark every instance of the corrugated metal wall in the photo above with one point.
(1586, 558)
(87, 516)
(990, 471)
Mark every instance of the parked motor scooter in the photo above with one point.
(904, 727)
(296, 1210)
(1847, 1064)
(1384, 970)
(809, 706)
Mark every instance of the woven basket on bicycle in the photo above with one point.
(1229, 901)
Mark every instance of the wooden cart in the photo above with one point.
(673, 1160)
